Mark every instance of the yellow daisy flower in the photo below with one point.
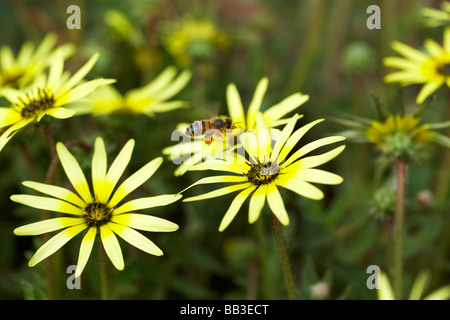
(47, 96)
(401, 136)
(149, 99)
(269, 167)
(408, 124)
(21, 71)
(192, 39)
(417, 67)
(436, 17)
(396, 136)
(192, 151)
(99, 212)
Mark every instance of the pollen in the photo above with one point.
(33, 106)
(97, 214)
(262, 173)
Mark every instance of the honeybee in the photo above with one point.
(201, 127)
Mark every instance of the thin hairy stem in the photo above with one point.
(284, 259)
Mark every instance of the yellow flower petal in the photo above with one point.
(279, 110)
(218, 166)
(85, 250)
(385, 292)
(57, 192)
(99, 163)
(427, 90)
(81, 91)
(318, 176)
(302, 188)
(264, 139)
(235, 108)
(116, 170)
(145, 222)
(219, 192)
(112, 247)
(447, 39)
(283, 137)
(60, 113)
(409, 52)
(276, 204)
(294, 138)
(311, 147)
(74, 172)
(439, 294)
(149, 202)
(8, 116)
(79, 75)
(45, 203)
(257, 203)
(189, 164)
(315, 161)
(48, 225)
(157, 84)
(176, 86)
(217, 179)
(249, 140)
(135, 180)
(56, 71)
(54, 243)
(11, 131)
(166, 106)
(400, 63)
(236, 204)
(6, 57)
(419, 286)
(256, 102)
(136, 239)
(433, 48)
(12, 94)
(405, 77)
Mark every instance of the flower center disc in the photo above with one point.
(97, 214)
(40, 103)
(11, 79)
(262, 173)
(444, 69)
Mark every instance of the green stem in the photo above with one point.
(284, 259)
(399, 224)
(388, 224)
(266, 277)
(102, 272)
(309, 47)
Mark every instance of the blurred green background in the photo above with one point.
(318, 47)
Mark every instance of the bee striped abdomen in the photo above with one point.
(197, 128)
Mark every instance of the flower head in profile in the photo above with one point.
(437, 17)
(432, 69)
(268, 167)
(191, 39)
(191, 151)
(48, 95)
(30, 62)
(98, 212)
(149, 99)
(396, 136)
